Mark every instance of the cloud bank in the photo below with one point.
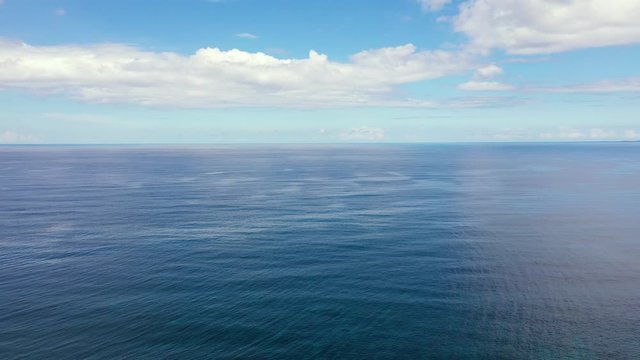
(214, 78)
(548, 26)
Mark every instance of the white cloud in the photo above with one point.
(12, 137)
(480, 80)
(548, 26)
(433, 5)
(484, 86)
(363, 133)
(247, 36)
(60, 12)
(213, 78)
(488, 71)
(629, 85)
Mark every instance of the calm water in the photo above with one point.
(377, 252)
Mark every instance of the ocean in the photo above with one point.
(447, 251)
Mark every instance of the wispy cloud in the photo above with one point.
(610, 86)
(363, 133)
(13, 137)
(565, 134)
(628, 85)
(246, 36)
(481, 81)
(433, 5)
(484, 86)
(83, 118)
(60, 12)
(591, 134)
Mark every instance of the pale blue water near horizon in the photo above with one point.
(467, 251)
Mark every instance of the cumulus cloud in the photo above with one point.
(246, 36)
(548, 26)
(214, 78)
(363, 133)
(433, 5)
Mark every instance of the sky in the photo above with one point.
(322, 71)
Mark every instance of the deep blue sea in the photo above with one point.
(467, 251)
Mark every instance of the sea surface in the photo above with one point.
(466, 251)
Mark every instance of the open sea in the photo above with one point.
(466, 251)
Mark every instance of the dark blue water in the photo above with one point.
(376, 252)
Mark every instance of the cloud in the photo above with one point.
(484, 86)
(480, 80)
(567, 134)
(630, 85)
(433, 5)
(75, 117)
(214, 78)
(548, 26)
(12, 137)
(631, 134)
(60, 12)
(363, 133)
(488, 71)
(591, 134)
(611, 86)
(526, 60)
(246, 36)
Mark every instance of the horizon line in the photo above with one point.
(332, 143)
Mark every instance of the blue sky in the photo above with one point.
(198, 71)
